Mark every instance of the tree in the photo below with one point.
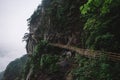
(101, 24)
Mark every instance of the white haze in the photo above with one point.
(13, 25)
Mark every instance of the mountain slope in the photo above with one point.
(1, 75)
(87, 24)
(14, 69)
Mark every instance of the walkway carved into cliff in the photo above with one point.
(87, 52)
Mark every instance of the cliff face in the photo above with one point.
(55, 21)
(60, 21)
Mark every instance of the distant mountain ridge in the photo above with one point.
(14, 69)
(1, 75)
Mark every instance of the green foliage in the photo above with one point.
(40, 48)
(101, 25)
(26, 68)
(94, 6)
(94, 69)
(43, 61)
(56, 16)
(48, 63)
(15, 68)
(41, 45)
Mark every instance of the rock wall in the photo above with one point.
(60, 21)
(55, 21)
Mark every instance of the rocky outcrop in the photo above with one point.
(54, 21)
(59, 23)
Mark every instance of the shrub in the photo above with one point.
(92, 69)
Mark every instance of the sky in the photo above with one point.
(13, 25)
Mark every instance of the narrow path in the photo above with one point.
(88, 53)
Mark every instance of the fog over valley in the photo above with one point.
(13, 25)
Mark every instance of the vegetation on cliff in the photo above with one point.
(101, 27)
(14, 69)
(89, 24)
